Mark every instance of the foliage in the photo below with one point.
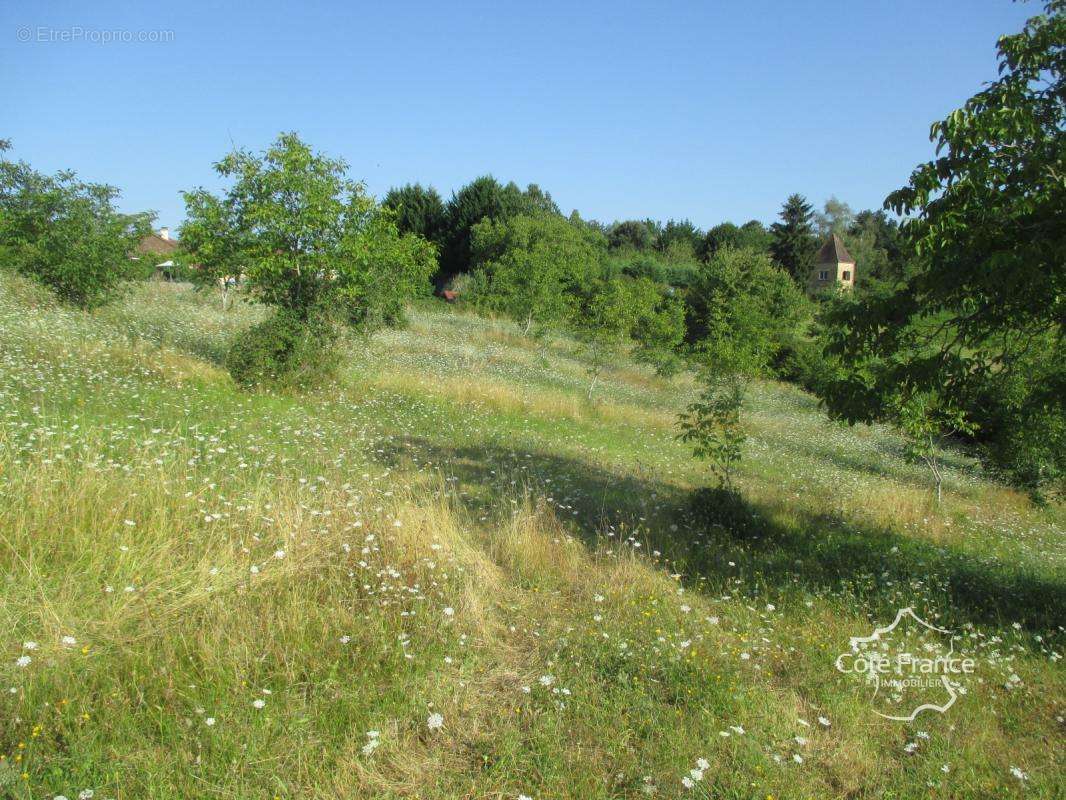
(926, 421)
(712, 426)
(212, 238)
(751, 235)
(66, 233)
(680, 240)
(287, 350)
(836, 217)
(658, 326)
(986, 281)
(531, 267)
(419, 210)
(617, 313)
(793, 244)
(801, 360)
(639, 235)
(485, 198)
(604, 322)
(874, 241)
(654, 266)
(1020, 430)
(308, 240)
(741, 309)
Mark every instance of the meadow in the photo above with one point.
(450, 575)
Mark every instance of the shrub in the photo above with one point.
(801, 361)
(285, 351)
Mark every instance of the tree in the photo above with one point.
(659, 326)
(617, 314)
(926, 421)
(311, 243)
(478, 200)
(211, 235)
(531, 267)
(743, 293)
(793, 243)
(986, 282)
(603, 324)
(751, 235)
(639, 235)
(874, 240)
(743, 308)
(836, 217)
(680, 240)
(67, 233)
(485, 198)
(419, 210)
(712, 426)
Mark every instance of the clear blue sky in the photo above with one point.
(708, 110)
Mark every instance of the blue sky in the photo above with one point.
(709, 110)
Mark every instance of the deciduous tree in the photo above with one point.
(66, 233)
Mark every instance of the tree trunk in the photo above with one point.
(592, 385)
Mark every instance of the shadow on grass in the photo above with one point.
(774, 549)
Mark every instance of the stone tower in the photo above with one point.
(833, 266)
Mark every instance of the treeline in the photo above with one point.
(667, 252)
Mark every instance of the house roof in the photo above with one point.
(156, 244)
(833, 252)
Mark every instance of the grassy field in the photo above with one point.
(451, 576)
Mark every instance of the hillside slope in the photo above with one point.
(452, 576)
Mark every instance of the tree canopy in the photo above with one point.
(532, 265)
(793, 244)
(985, 290)
(419, 210)
(66, 233)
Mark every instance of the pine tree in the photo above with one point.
(419, 210)
(793, 242)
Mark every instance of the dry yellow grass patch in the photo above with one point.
(547, 403)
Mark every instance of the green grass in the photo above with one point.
(453, 529)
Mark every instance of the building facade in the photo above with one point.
(833, 266)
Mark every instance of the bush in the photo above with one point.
(285, 351)
(802, 362)
(654, 266)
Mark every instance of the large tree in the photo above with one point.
(484, 198)
(793, 244)
(418, 210)
(985, 291)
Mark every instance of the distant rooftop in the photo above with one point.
(833, 252)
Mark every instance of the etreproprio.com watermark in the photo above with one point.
(76, 33)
